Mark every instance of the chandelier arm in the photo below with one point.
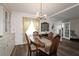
(40, 14)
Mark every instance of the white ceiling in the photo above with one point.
(72, 13)
(32, 8)
(48, 8)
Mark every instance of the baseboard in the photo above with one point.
(21, 43)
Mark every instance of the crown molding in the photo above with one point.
(66, 9)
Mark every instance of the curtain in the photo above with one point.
(36, 23)
(26, 23)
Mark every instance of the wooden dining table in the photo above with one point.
(46, 42)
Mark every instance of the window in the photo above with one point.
(31, 29)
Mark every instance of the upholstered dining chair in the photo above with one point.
(53, 47)
(31, 48)
(50, 36)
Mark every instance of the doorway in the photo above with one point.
(63, 30)
(67, 30)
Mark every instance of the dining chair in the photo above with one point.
(37, 42)
(50, 36)
(31, 48)
(53, 47)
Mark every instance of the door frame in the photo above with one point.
(65, 31)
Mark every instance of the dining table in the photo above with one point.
(46, 42)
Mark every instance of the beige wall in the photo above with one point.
(74, 25)
(17, 25)
(1, 21)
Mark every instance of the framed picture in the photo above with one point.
(44, 26)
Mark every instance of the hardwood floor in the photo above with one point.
(20, 50)
(66, 48)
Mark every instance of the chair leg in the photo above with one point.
(37, 52)
(29, 53)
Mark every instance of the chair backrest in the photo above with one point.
(35, 33)
(28, 44)
(54, 46)
(50, 36)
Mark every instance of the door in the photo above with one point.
(67, 30)
(59, 30)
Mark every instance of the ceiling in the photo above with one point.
(47, 8)
(68, 14)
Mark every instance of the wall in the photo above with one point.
(56, 23)
(17, 26)
(1, 20)
(74, 25)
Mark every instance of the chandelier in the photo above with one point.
(40, 13)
